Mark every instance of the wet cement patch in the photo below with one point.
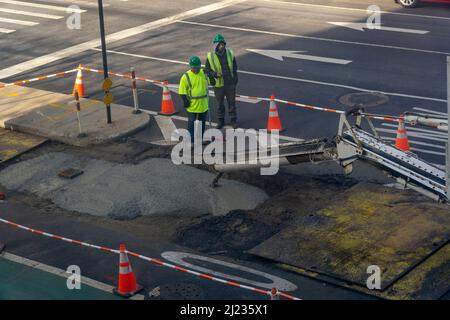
(126, 191)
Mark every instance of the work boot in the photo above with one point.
(220, 123)
(233, 123)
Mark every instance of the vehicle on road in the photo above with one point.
(415, 3)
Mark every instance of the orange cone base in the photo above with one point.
(167, 114)
(279, 130)
(128, 294)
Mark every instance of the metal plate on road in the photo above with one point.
(366, 225)
(108, 98)
(107, 84)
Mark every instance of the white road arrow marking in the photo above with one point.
(280, 54)
(363, 26)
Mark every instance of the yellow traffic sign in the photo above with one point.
(108, 98)
(107, 84)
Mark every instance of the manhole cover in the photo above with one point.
(176, 291)
(366, 99)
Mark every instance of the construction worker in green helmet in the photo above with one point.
(221, 69)
(193, 91)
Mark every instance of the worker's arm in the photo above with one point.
(183, 91)
(210, 73)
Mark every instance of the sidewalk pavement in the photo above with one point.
(53, 116)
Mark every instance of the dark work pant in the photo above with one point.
(191, 123)
(229, 92)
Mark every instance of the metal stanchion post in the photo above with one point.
(77, 99)
(135, 92)
(274, 294)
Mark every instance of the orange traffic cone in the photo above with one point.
(401, 142)
(167, 108)
(273, 122)
(127, 282)
(79, 85)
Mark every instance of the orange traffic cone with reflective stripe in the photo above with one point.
(401, 142)
(167, 108)
(127, 286)
(79, 85)
(273, 122)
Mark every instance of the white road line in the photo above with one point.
(29, 13)
(21, 22)
(153, 113)
(431, 111)
(178, 257)
(81, 3)
(428, 151)
(314, 38)
(363, 27)
(39, 5)
(415, 134)
(166, 126)
(417, 142)
(3, 30)
(287, 78)
(354, 9)
(60, 272)
(77, 49)
(438, 133)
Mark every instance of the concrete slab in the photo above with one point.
(13, 144)
(366, 225)
(53, 116)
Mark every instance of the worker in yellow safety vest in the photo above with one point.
(193, 91)
(221, 68)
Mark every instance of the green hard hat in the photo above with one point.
(218, 38)
(195, 62)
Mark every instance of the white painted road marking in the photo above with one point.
(416, 142)
(314, 38)
(431, 111)
(61, 273)
(3, 30)
(416, 135)
(437, 133)
(354, 9)
(77, 49)
(280, 54)
(363, 26)
(39, 5)
(29, 13)
(290, 78)
(275, 282)
(21, 22)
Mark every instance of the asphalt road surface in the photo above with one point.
(314, 57)
(323, 61)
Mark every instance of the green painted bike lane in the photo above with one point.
(21, 282)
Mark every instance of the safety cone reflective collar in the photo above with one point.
(127, 282)
(273, 122)
(401, 142)
(79, 85)
(167, 107)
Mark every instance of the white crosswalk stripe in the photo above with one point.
(29, 13)
(3, 30)
(21, 22)
(39, 5)
(430, 141)
(11, 10)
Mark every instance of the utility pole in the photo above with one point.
(108, 97)
(447, 156)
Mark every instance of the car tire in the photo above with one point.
(409, 3)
